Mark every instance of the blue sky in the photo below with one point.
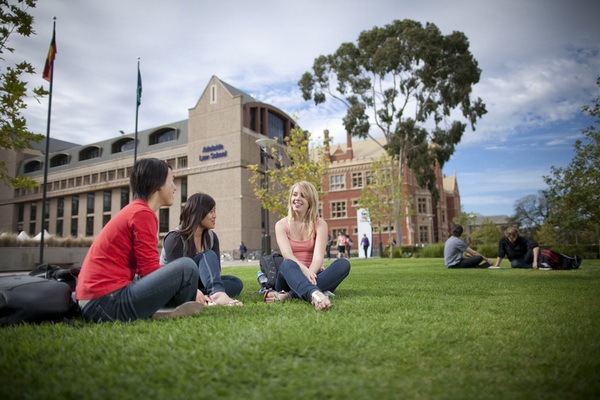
(539, 61)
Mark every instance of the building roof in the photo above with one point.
(496, 219)
(246, 98)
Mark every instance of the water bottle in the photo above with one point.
(261, 278)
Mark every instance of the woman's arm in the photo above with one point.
(320, 243)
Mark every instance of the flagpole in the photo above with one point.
(138, 99)
(44, 188)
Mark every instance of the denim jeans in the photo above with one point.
(468, 262)
(292, 280)
(171, 285)
(525, 262)
(211, 280)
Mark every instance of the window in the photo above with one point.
(59, 159)
(357, 179)
(59, 227)
(74, 222)
(163, 220)
(105, 219)
(60, 207)
(182, 162)
(338, 209)
(422, 205)
(423, 234)
(75, 205)
(184, 189)
(124, 196)
(368, 177)
(47, 209)
(122, 145)
(90, 203)
(337, 182)
(107, 203)
(213, 94)
(89, 226)
(33, 211)
(20, 212)
(32, 166)
(162, 136)
(276, 127)
(89, 152)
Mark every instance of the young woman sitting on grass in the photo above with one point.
(121, 277)
(302, 237)
(194, 238)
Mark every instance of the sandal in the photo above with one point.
(320, 301)
(276, 296)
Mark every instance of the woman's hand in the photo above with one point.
(201, 298)
(310, 275)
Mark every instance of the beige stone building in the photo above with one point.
(209, 152)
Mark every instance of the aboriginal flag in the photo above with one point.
(50, 59)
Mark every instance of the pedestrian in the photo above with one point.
(365, 244)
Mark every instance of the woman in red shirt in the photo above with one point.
(301, 237)
(121, 278)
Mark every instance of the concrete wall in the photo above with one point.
(26, 258)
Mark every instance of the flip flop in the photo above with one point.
(277, 296)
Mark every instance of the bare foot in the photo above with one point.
(320, 301)
(272, 296)
(221, 299)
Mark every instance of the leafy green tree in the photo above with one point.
(486, 233)
(465, 219)
(292, 165)
(407, 79)
(14, 134)
(530, 212)
(574, 191)
(378, 197)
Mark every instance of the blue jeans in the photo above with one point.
(292, 280)
(469, 262)
(211, 280)
(171, 285)
(525, 262)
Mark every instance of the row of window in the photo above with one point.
(95, 178)
(121, 145)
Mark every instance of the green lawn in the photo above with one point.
(400, 329)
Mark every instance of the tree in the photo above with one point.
(530, 212)
(574, 191)
(406, 79)
(378, 197)
(14, 134)
(486, 233)
(300, 167)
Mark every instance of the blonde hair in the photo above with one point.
(511, 232)
(309, 193)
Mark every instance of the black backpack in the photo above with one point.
(270, 266)
(46, 294)
(554, 260)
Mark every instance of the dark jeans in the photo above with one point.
(292, 280)
(211, 280)
(171, 285)
(525, 262)
(470, 262)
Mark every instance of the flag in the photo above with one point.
(47, 74)
(139, 87)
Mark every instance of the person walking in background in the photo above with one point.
(328, 247)
(341, 245)
(365, 244)
(349, 244)
(520, 251)
(195, 238)
(243, 251)
(302, 237)
(455, 248)
(121, 277)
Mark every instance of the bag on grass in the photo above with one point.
(270, 266)
(554, 260)
(33, 299)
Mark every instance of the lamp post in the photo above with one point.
(265, 145)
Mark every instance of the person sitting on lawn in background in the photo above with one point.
(194, 238)
(301, 237)
(121, 277)
(520, 251)
(455, 248)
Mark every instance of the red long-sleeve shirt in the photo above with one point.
(126, 246)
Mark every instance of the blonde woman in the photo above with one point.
(302, 237)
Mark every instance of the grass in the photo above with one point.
(400, 329)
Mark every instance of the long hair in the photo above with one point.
(312, 198)
(196, 208)
(148, 175)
